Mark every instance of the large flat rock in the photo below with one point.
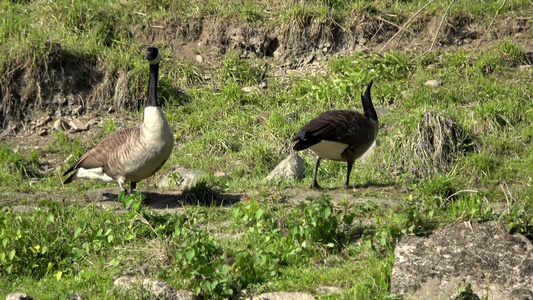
(496, 264)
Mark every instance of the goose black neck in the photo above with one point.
(152, 86)
(368, 107)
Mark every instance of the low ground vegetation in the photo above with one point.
(453, 152)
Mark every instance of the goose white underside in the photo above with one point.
(93, 174)
(329, 150)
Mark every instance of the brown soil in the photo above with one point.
(65, 85)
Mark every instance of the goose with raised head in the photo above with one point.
(135, 153)
(341, 135)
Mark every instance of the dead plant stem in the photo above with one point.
(436, 34)
(405, 25)
(487, 29)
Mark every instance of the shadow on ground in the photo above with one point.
(168, 199)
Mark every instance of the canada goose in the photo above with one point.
(341, 135)
(131, 154)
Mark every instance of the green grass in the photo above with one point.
(60, 248)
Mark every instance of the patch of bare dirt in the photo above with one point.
(64, 82)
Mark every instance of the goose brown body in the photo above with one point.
(341, 135)
(131, 154)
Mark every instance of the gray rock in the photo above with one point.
(77, 125)
(78, 296)
(290, 168)
(368, 152)
(156, 288)
(381, 111)
(19, 296)
(60, 125)
(248, 89)
(432, 83)
(181, 177)
(327, 289)
(496, 264)
(199, 58)
(284, 296)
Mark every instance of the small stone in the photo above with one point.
(68, 158)
(290, 168)
(248, 89)
(327, 289)
(19, 296)
(60, 125)
(44, 120)
(153, 287)
(219, 174)
(181, 177)
(262, 117)
(381, 111)
(284, 296)
(199, 58)
(75, 296)
(524, 67)
(262, 85)
(279, 73)
(327, 45)
(368, 152)
(77, 125)
(432, 83)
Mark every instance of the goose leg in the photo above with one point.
(133, 186)
(348, 171)
(315, 183)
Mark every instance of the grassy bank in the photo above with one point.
(457, 151)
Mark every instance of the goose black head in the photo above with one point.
(152, 55)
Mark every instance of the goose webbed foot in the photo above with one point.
(315, 185)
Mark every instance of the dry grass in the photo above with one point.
(437, 142)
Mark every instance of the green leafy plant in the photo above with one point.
(235, 69)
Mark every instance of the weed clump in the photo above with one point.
(434, 145)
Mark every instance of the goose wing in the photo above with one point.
(98, 156)
(343, 126)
